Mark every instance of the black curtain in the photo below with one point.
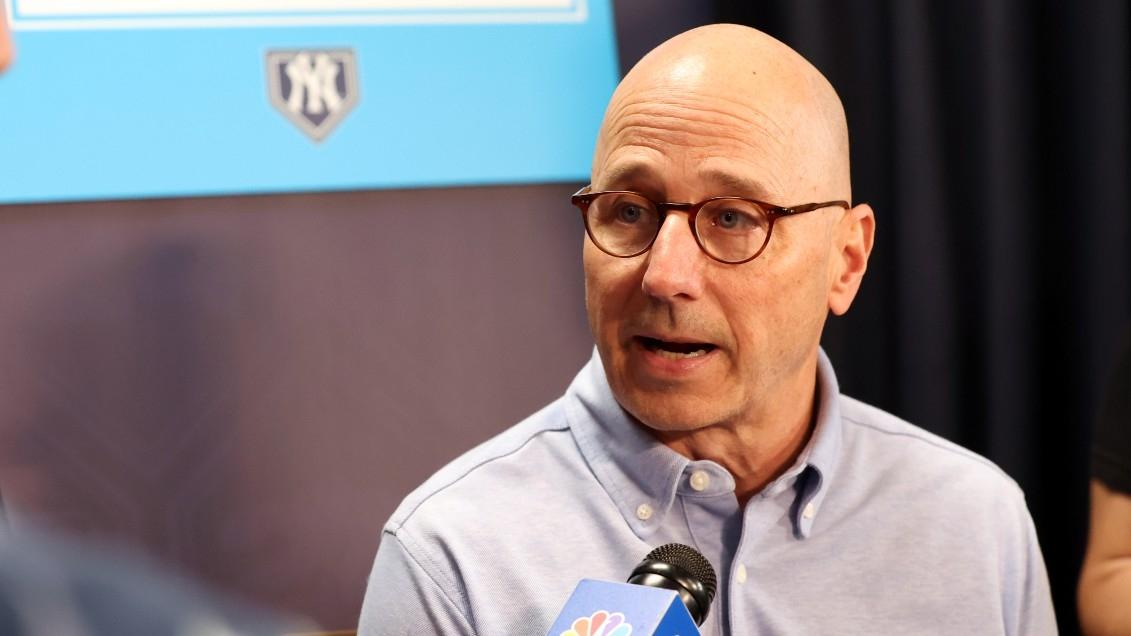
(991, 137)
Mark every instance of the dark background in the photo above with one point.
(246, 386)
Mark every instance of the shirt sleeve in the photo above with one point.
(403, 599)
(1030, 610)
(1111, 448)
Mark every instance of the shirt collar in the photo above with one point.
(822, 454)
(639, 473)
(642, 475)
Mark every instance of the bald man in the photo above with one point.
(720, 234)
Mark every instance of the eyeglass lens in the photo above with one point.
(625, 224)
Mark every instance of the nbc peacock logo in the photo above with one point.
(601, 623)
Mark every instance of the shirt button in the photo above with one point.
(644, 512)
(740, 576)
(700, 480)
(809, 511)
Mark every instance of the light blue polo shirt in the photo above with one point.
(879, 528)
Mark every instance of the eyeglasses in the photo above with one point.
(728, 229)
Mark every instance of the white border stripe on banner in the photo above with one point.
(380, 12)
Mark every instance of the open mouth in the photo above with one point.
(676, 350)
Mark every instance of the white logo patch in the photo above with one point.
(315, 89)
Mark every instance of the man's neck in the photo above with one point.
(757, 450)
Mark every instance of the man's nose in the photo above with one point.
(674, 266)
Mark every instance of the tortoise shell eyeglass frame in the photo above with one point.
(583, 199)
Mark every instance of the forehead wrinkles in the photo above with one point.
(703, 126)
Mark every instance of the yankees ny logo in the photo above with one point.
(314, 89)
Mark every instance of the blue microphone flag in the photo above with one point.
(601, 608)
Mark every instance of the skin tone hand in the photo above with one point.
(5, 41)
(1105, 582)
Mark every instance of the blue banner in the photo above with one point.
(131, 98)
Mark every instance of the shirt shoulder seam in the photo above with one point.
(949, 447)
(396, 535)
(457, 478)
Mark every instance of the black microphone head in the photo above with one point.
(678, 567)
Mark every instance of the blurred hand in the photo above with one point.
(5, 40)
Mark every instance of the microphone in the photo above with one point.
(668, 594)
(675, 566)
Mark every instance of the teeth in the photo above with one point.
(675, 355)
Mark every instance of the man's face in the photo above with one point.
(688, 342)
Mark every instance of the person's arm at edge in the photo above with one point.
(403, 598)
(1104, 593)
(5, 40)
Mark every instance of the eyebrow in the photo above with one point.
(734, 185)
(625, 175)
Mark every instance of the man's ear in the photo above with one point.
(852, 243)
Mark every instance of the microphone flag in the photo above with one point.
(603, 608)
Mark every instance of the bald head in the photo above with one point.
(732, 92)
